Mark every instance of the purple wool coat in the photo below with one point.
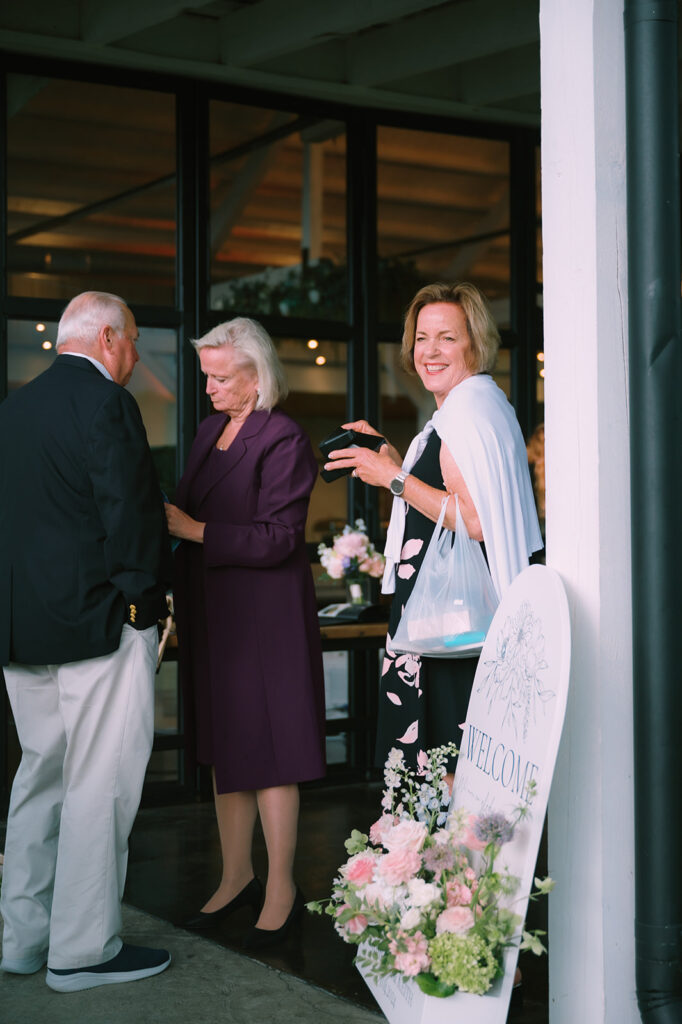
(249, 646)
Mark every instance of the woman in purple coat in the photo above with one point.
(249, 640)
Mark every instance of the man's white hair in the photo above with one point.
(86, 314)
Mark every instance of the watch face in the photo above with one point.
(397, 486)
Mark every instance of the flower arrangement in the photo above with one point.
(351, 555)
(421, 895)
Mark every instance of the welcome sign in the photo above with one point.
(511, 738)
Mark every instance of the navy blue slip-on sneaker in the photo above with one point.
(130, 964)
(23, 965)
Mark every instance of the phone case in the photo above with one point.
(346, 439)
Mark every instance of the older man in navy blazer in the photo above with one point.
(84, 567)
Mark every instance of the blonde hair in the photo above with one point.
(481, 327)
(255, 348)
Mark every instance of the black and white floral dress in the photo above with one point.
(422, 701)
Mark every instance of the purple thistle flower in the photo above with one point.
(493, 828)
(438, 858)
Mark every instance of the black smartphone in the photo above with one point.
(346, 439)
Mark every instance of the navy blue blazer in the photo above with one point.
(83, 532)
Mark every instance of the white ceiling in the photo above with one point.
(465, 58)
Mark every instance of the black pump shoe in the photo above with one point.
(259, 938)
(250, 896)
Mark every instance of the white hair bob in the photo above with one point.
(255, 348)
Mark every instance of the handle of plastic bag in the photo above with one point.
(460, 525)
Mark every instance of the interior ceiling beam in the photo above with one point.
(37, 45)
(271, 28)
(105, 22)
(441, 38)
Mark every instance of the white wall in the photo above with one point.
(591, 824)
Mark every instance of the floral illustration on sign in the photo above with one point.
(513, 675)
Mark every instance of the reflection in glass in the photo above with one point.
(443, 214)
(278, 213)
(317, 400)
(90, 190)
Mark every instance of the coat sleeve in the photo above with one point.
(288, 471)
(128, 498)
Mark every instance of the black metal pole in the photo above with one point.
(656, 474)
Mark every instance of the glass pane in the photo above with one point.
(443, 214)
(155, 384)
(90, 190)
(164, 766)
(317, 400)
(166, 699)
(278, 213)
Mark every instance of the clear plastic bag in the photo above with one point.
(453, 599)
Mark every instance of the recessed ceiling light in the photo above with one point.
(47, 344)
(320, 360)
(40, 327)
(313, 343)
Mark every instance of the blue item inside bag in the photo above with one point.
(473, 637)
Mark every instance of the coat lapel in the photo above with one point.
(209, 432)
(234, 454)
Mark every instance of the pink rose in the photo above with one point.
(457, 920)
(399, 866)
(411, 953)
(359, 869)
(350, 545)
(458, 895)
(380, 828)
(334, 567)
(378, 565)
(406, 835)
(356, 925)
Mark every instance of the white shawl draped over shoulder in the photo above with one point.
(479, 427)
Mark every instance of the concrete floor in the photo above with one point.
(205, 984)
(174, 864)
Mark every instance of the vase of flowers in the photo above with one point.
(353, 558)
(422, 895)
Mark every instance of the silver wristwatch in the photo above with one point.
(397, 484)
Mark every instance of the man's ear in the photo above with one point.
(104, 340)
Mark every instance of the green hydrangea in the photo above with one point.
(466, 961)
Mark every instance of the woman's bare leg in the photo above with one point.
(278, 808)
(236, 815)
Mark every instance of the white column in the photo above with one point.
(591, 824)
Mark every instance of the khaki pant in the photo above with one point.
(86, 732)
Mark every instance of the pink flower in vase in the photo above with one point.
(411, 953)
(406, 835)
(399, 866)
(351, 545)
(457, 894)
(458, 920)
(381, 827)
(360, 869)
